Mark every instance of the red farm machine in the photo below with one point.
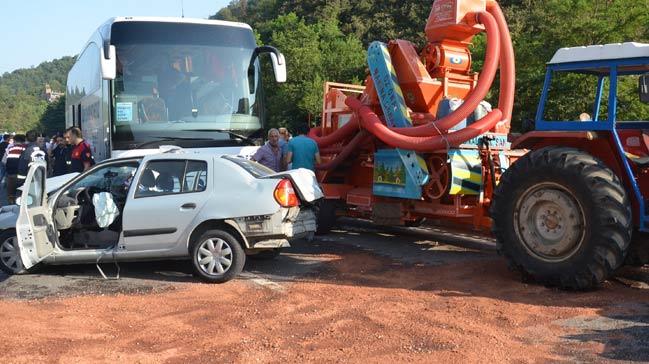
(566, 202)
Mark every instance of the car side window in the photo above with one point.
(35, 193)
(165, 177)
(195, 177)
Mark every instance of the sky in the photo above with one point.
(35, 31)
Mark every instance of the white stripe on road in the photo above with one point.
(261, 281)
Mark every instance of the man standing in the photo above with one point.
(81, 159)
(26, 156)
(303, 151)
(3, 148)
(270, 154)
(12, 157)
(284, 137)
(60, 156)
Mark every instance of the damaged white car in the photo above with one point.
(214, 210)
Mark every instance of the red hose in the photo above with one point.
(507, 63)
(361, 138)
(337, 136)
(478, 94)
(373, 124)
(427, 138)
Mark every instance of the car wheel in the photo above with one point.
(414, 223)
(217, 257)
(10, 261)
(265, 254)
(326, 216)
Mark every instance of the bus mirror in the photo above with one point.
(279, 65)
(643, 88)
(108, 63)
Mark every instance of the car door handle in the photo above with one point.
(188, 206)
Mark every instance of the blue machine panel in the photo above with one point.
(403, 172)
(391, 177)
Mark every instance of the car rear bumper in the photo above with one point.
(274, 231)
(300, 225)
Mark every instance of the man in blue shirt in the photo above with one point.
(302, 151)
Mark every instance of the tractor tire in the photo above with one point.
(562, 218)
(326, 216)
(638, 254)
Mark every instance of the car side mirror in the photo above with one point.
(108, 62)
(279, 65)
(643, 88)
(30, 200)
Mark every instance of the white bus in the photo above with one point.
(142, 82)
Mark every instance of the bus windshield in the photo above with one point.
(184, 81)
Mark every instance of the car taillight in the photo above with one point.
(285, 194)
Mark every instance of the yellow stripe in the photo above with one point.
(467, 175)
(458, 190)
(398, 91)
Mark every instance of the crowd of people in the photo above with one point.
(283, 152)
(68, 152)
(64, 153)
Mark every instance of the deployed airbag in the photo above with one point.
(106, 210)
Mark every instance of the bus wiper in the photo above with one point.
(238, 136)
(162, 139)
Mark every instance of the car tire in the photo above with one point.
(217, 256)
(326, 217)
(265, 254)
(414, 223)
(562, 218)
(10, 261)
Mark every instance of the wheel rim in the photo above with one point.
(550, 222)
(10, 255)
(214, 256)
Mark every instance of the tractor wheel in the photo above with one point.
(638, 254)
(562, 217)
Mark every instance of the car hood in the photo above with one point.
(54, 183)
(8, 216)
(304, 180)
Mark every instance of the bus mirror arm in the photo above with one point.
(108, 62)
(279, 65)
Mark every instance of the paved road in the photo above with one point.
(421, 246)
(609, 324)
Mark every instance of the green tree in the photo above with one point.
(540, 27)
(53, 119)
(22, 106)
(314, 53)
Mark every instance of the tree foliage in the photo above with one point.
(314, 53)
(22, 106)
(538, 27)
(325, 40)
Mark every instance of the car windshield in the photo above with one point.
(182, 82)
(255, 169)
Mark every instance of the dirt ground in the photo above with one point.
(361, 294)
